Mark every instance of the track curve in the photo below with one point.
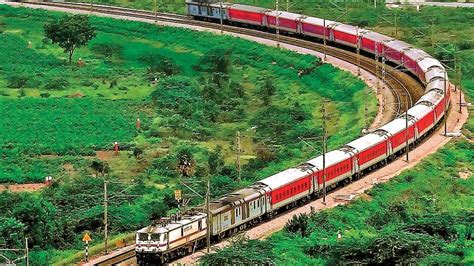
(406, 89)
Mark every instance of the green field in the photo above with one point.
(61, 120)
(425, 215)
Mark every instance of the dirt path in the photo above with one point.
(454, 124)
(22, 187)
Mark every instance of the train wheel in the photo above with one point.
(165, 258)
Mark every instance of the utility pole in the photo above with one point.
(324, 39)
(407, 148)
(278, 23)
(238, 156)
(155, 10)
(105, 216)
(358, 52)
(458, 81)
(222, 17)
(324, 152)
(445, 103)
(377, 65)
(383, 67)
(432, 34)
(366, 120)
(27, 251)
(396, 24)
(208, 210)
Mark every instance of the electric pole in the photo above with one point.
(222, 18)
(358, 52)
(407, 149)
(383, 67)
(324, 152)
(396, 24)
(377, 65)
(445, 104)
(105, 216)
(278, 23)
(324, 40)
(208, 210)
(155, 10)
(27, 255)
(458, 81)
(432, 34)
(237, 139)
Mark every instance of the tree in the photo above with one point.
(216, 61)
(100, 167)
(216, 160)
(242, 251)
(267, 90)
(70, 32)
(3, 26)
(298, 224)
(186, 163)
(159, 65)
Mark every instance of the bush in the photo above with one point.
(17, 81)
(108, 50)
(298, 224)
(57, 84)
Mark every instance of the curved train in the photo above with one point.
(236, 211)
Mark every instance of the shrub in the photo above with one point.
(108, 49)
(17, 81)
(57, 84)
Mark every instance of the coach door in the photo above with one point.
(355, 167)
(389, 147)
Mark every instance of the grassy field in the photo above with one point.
(423, 216)
(61, 120)
(117, 78)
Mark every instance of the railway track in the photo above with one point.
(404, 87)
(118, 258)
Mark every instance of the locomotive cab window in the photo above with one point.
(142, 237)
(155, 237)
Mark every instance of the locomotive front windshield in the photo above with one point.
(155, 237)
(142, 237)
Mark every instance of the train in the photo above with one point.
(161, 242)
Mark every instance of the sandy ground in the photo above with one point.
(22, 187)
(454, 124)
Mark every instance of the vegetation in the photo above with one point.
(70, 32)
(62, 119)
(423, 216)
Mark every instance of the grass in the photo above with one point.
(62, 128)
(115, 75)
(57, 116)
(423, 216)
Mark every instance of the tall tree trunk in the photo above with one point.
(70, 56)
(71, 53)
